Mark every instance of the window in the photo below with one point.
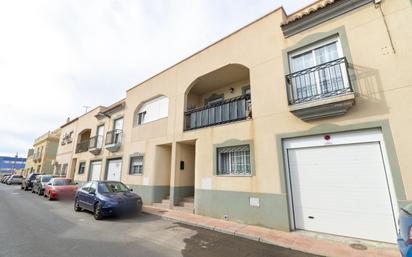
(93, 187)
(246, 90)
(82, 167)
(140, 118)
(136, 165)
(234, 160)
(152, 110)
(318, 71)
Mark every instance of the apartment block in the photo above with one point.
(293, 122)
(44, 153)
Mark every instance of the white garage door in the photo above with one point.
(114, 168)
(342, 189)
(95, 168)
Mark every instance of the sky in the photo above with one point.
(57, 56)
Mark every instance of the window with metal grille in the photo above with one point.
(233, 160)
(136, 165)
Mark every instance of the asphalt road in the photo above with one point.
(32, 226)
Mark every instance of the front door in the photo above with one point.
(114, 168)
(95, 168)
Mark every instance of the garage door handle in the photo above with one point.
(311, 217)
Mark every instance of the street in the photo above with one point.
(32, 226)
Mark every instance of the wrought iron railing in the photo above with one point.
(83, 146)
(96, 142)
(324, 80)
(114, 137)
(229, 110)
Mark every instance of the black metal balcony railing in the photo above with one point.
(229, 110)
(83, 146)
(96, 142)
(114, 137)
(324, 80)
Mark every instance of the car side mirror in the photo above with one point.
(49, 184)
(130, 189)
(76, 183)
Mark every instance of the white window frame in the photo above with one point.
(141, 167)
(312, 48)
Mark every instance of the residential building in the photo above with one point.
(99, 143)
(64, 164)
(293, 122)
(9, 165)
(29, 166)
(45, 149)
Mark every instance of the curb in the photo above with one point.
(230, 232)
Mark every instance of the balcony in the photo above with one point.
(229, 110)
(320, 91)
(83, 146)
(96, 144)
(114, 140)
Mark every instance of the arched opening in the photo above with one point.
(218, 97)
(83, 140)
(151, 110)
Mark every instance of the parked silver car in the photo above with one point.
(15, 179)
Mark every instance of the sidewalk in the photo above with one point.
(290, 240)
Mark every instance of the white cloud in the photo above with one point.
(57, 56)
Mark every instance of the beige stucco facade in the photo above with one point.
(29, 165)
(64, 165)
(180, 162)
(87, 124)
(45, 149)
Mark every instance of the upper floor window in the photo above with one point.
(317, 71)
(152, 110)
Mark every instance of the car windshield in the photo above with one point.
(46, 178)
(407, 209)
(62, 182)
(112, 187)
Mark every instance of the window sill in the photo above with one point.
(138, 175)
(235, 176)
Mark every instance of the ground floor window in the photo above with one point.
(233, 160)
(136, 165)
(82, 167)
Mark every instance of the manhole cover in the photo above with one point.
(358, 246)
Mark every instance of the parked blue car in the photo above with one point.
(107, 198)
(405, 231)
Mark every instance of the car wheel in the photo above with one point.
(77, 207)
(97, 212)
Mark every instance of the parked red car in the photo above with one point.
(59, 188)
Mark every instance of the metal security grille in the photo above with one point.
(136, 165)
(324, 80)
(234, 160)
(114, 137)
